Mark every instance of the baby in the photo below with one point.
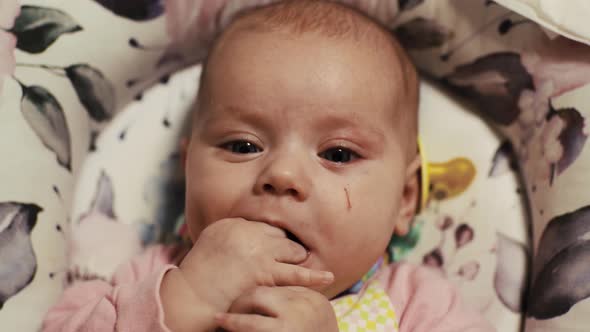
(301, 164)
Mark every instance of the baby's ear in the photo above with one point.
(410, 197)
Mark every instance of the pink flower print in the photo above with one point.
(562, 61)
(7, 61)
(551, 148)
(193, 24)
(534, 105)
(384, 11)
(9, 10)
(192, 18)
(232, 8)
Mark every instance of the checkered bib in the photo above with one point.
(369, 310)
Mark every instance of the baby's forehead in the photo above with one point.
(329, 22)
(374, 65)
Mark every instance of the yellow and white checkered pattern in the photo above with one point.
(369, 310)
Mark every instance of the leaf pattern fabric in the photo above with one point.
(36, 28)
(18, 260)
(420, 33)
(510, 278)
(409, 4)
(45, 116)
(530, 87)
(9, 10)
(494, 83)
(94, 91)
(137, 10)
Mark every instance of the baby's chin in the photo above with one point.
(334, 289)
(331, 291)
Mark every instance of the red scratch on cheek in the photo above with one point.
(348, 205)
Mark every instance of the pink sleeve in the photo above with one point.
(425, 301)
(130, 303)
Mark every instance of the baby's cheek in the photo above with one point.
(364, 231)
(359, 235)
(203, 203)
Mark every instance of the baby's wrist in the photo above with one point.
(206, 284)
(183, 309)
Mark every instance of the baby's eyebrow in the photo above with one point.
(364, 133)
(240, 113)
(333, 122)
(237, 113)
(326, 122)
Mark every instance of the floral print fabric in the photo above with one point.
(67, 69)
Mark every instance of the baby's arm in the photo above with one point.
(130, 303)
(425, 301)
(230, 257)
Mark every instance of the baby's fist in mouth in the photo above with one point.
(234, 255)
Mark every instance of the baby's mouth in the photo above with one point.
(295, 239)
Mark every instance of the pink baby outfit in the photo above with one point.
(422, 300)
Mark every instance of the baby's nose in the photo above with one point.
(284, 178)
(280, 190)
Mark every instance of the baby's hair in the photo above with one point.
(332, 20)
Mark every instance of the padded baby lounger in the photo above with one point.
(90, 118)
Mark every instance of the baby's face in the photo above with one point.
(298, 132)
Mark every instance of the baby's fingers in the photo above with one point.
(287, 251)
(266, 301)
(246, 322)
(295, 275)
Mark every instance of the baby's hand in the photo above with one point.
(233, 256)
(279, 309)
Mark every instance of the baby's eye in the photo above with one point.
(241, 147)
(339, 155)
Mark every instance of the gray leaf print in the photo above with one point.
(469, 270)
(562, 259)
(409, 4)
(510, 278)
(433, 258)
(137, 10)
(36, 28)
(45, 116)
(494, 82)
(420, 34)
(95, 92)
(561, 283)
(572, 138)
(561, 232)
(18, 262)
(463, 235)
(503, 161)
(444, 222)
(103, 197)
